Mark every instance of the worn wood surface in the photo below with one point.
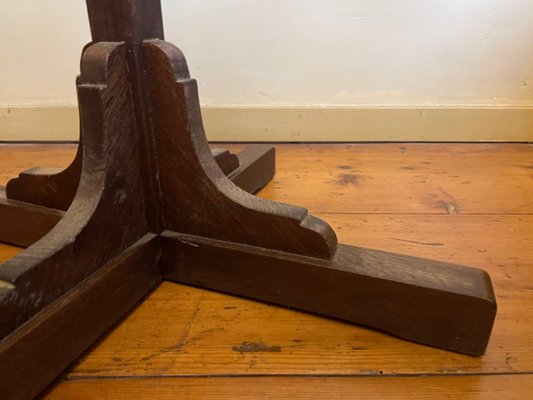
(181, 331)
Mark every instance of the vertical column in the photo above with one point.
(133, 21)
(125, 20)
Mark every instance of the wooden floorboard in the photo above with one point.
(396, 178)
(6, 251)
(508, 387)
(470, 204)
(372, 178)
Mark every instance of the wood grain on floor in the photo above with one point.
(465, 203)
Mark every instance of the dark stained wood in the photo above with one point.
(32, 356)
(47, 187)
(453, 306)
(125, 20)
(257, 166)
(228, 162)
(196, 192)
(23, 224)
(146, 176)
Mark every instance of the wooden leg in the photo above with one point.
(47, 187)
(228, 162)
(257, 166)
(43, 349)
(454, 306)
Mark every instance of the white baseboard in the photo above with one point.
(295, 124)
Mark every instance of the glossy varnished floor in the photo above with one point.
(464, 203)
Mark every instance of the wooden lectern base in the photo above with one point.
(146, 200)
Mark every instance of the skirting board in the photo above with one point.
(306, 124)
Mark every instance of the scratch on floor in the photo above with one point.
(188, 325)
(415, 242)
(183, 339)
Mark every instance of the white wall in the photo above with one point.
(297, 52)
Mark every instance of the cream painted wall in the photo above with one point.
(298, 52)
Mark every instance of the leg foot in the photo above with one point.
(257, 165)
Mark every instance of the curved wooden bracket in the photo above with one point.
(212, 205)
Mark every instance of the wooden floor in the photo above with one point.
(468, 203)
